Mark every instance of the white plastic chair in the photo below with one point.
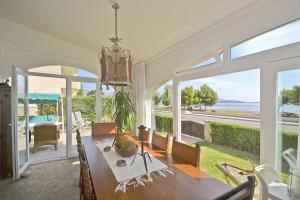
(271, 184)
(74, 122)
(80, 120)
(290, 157)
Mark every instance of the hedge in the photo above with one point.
(236, 136)
(232, 135)
(164, 124)
(246, 138)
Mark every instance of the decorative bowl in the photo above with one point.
(126, 153)
(125, 145)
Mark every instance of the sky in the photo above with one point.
(287, 79)
(245, 86)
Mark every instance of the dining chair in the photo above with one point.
(160, 141)
(271, 184)
(104, 128)
(186, 153)
(146, 135)
(244, 191)
(78, 137)
(86, 190)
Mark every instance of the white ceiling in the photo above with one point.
(146, 26)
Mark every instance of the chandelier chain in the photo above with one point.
(116, 22)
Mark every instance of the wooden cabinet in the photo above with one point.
(5, 133)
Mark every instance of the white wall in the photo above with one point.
(236, 28)
(27, 48)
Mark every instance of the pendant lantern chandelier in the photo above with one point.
(115, 61)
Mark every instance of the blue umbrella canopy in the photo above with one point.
(43, 98)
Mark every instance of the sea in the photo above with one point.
(249, 106)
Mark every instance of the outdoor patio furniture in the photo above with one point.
(186, 153)
(74, 122)
(271, 185)
(80, 121)
(45, 134)
(290, 157)
(244, 191)
(146, 135)
(160, 141)
(104, 128)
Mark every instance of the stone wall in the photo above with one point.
(199, 130)
(193, 129)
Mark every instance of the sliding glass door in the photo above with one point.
(20, 122)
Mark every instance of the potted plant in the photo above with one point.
(124, 114)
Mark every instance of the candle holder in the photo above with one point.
(142, 129)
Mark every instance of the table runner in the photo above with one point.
(135, 174)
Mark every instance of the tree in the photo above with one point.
(295, 94)
(167, 95)
(46, 109)
(91, 93)
(108, 108)
(80, 92)
(187, 96)
(208, 96)
(198, 98)
(156, 98)
(290, 96)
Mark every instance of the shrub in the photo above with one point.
(246, 138)
(236, 136)
(232, 135)
(164, 124)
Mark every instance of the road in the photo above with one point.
(200, 118)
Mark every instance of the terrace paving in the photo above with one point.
(47, 181)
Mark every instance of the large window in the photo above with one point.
(208, 61)
(284, 35)
(288, 91)
(223, 113)
(108, 103)
(162, 113)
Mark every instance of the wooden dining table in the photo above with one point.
(187, 182)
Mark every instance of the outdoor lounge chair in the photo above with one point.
(46, 134)
(290, 157)
(80, 120)
(74, 122)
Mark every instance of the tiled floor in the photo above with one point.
(51, 180)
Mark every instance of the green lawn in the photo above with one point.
(211, 154)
